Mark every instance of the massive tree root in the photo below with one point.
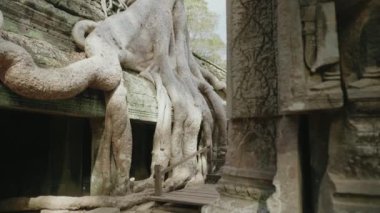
(165, 59)
(149, 37)
(153, 40)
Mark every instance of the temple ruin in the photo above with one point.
(104, 108)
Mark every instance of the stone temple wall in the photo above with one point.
(303, 106)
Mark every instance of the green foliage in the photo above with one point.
(203, 39)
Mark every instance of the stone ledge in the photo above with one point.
(88, 104)
(363, 187)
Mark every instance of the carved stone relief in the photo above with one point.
(351, 180)
(141, 96)
(350, 183)
(360, 45)
(252, 79)
(309, 56)
(356, 151)
(321, 43)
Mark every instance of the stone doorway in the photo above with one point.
(44, 155)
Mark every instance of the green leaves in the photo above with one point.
(202, 25)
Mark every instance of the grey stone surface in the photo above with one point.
(228, 204)
(141, 97)
(288, 196)
(351, 180)
(105, 210)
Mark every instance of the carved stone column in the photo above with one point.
(252, 107)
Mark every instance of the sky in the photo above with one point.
(219, 7)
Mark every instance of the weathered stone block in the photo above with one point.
(350, 183)
(251, 149)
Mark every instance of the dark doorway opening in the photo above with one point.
(304, 150)
(314, 131)
(44, 155)
(142, 133)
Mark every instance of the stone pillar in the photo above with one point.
(252, 108)
(288, 182)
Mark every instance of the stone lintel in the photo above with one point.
(88, 104)
(365, 100)
(313, 101)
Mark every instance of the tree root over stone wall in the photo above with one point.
(150, 37)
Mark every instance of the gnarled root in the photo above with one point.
(19, 72)
(111, 172)
(198, 112)
(80, 29)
